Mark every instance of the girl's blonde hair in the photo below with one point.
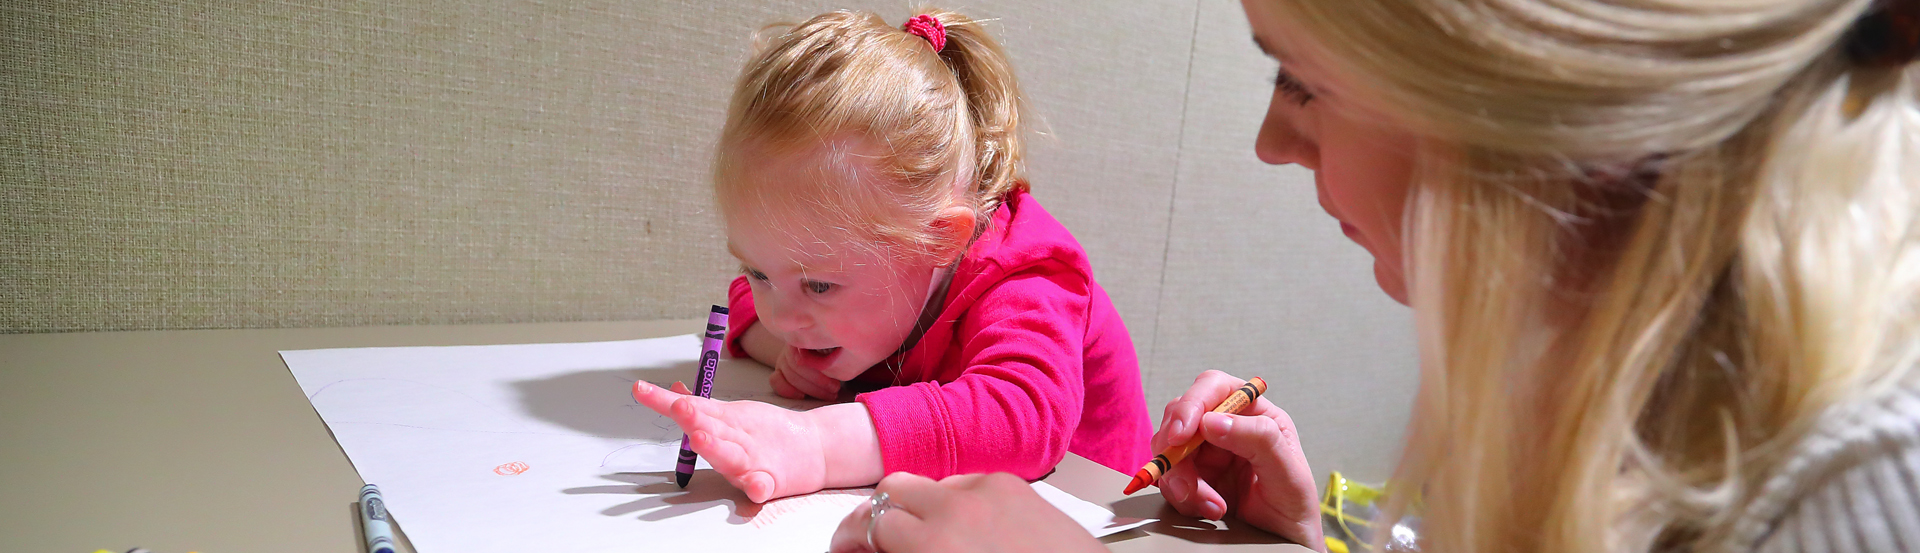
(946, 124)
(1650, 242)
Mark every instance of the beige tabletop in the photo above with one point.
(201, 441)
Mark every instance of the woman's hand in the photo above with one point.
(969, 512)
(764, 450)
(1250, 466)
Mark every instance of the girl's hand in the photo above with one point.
(1251, 464)
(766, 451)
(789, 380)
(968, 512)
(794, 382)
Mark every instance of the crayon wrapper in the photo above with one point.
(374, 522)
(711, 341)
(710, 344)
(1236, 401)
(687, 457)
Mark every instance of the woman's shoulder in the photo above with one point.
(1851, 484)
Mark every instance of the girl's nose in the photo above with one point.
(781, 316)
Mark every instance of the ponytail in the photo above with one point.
(994, 106)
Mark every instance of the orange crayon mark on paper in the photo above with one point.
(511, 469)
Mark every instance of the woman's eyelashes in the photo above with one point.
(1292, 87)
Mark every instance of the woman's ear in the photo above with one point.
(954, 225)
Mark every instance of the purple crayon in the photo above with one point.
(710, 343)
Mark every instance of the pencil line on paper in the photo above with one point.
(496, 431)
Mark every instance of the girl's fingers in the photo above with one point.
(829, 388)
(686, 410)
(783, 388)
(807, 381)
(730, 459)
(727, 456)
(711, 420)
(680, 388)
(813, 383)
(705, 418)
(660, 401)
(759, 486)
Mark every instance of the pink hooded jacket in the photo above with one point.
(1027, 360)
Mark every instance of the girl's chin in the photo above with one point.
(846, 371)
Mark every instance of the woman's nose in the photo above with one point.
(1281, 142)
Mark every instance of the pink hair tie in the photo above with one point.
(925, 26)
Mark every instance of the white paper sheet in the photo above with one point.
(541, 447)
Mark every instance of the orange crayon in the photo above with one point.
(1235, 402)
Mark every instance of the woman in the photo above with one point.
(1663, 260)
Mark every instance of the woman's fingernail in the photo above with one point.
(1217, 424)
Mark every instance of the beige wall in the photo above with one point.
(241, 165)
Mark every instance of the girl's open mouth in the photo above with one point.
(817, 359)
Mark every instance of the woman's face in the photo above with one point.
(1362, 164)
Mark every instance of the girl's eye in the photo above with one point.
(1292, 87)
(756, 275)
(817, 287)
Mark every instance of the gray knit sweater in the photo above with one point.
(1853, 484)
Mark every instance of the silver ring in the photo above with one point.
(876, 506)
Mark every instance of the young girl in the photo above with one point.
(870, 181)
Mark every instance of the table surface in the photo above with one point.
(201, 441)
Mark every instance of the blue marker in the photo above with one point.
(374, 522)
(710, 344)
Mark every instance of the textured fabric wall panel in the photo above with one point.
(348, 163)
(1107, 81)
(1260, 281)
(200, 165)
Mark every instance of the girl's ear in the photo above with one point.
(955, 227)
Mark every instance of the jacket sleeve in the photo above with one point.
(740, 315)
(1017, 399)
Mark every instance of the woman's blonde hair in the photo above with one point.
(1649, 243)
(946, 123)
